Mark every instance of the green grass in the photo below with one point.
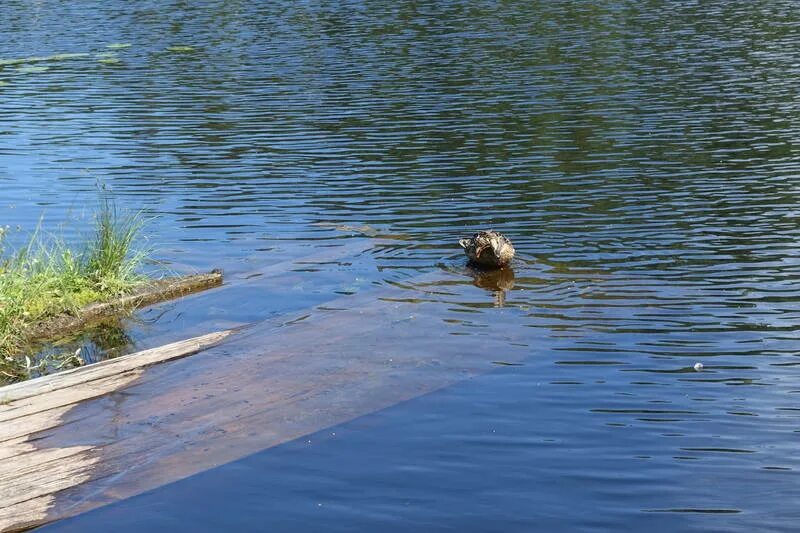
(47, 277)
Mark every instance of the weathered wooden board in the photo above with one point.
(133, 430)
(11, 395)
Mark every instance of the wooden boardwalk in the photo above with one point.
(84, 438)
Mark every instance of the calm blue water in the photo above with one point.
(642, 155)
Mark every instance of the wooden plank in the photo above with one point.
(12, 431)
(14, 447)
(27, 500)
(65, 396)
(25, 515)
(274, 382)
(200, 307)
(95, 404)
(29, 475)
(10, 395)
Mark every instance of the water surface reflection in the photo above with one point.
(642, 155)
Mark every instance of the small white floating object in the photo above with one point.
(698, 367)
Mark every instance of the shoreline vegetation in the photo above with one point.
(48, 278)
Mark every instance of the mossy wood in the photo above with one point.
(148, 294)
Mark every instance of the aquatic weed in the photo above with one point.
(46, 277)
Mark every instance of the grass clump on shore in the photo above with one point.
(47, 278)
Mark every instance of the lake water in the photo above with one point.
(643, 157)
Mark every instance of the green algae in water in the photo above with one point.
(30, 69)
(12, 62)
(61, 57)
(39, 59)
(108, 58)
(181, 49)
(118, 46)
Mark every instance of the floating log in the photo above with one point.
(148, 294)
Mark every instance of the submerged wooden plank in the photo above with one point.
(120, 430)
(34, 406)
(199, 313)
(344, 249)
(10, 395)
(30, 475)
(268, 385)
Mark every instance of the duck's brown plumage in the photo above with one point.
(489, 249)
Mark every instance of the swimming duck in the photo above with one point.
(488, 249)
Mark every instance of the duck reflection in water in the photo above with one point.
(496, 280)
